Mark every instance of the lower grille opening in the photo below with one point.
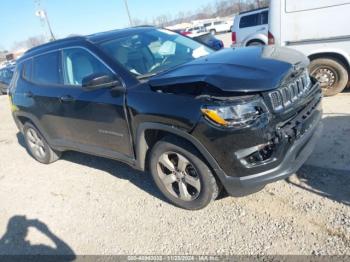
(261, 156)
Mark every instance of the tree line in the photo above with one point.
(219, 8)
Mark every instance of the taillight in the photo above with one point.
(234, 38)
(271, 38)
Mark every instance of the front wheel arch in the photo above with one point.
(329, 55)
(143, 144)
(336, 68)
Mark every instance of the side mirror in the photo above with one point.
(100, 80)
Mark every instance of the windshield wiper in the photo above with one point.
(146, 76)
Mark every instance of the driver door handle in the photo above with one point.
(66, 98)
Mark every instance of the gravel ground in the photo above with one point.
(88, 205)
(226, 38)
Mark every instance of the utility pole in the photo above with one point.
(128, 11)
(49, 26)
(42, 14)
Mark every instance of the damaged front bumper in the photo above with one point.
(296, 156)
(250, 159)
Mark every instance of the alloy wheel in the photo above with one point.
(36, 144)
(179, 176)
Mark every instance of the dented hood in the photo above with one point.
(252, 69)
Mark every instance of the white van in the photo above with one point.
(320, 29)
(250, 28)
(218, 26)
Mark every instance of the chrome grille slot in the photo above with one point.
(285, 96)
(276, 100)
(295, 89)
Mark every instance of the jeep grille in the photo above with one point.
(290, 93)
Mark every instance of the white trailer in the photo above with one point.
(321, 30)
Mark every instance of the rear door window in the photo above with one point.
(264, 18)
(46, 69)
(249, 21)
(27, 70)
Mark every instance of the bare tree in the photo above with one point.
(30, 42)
(35, 41)
(262, 3)
(139, 22)
(181, 17)
(219, 8)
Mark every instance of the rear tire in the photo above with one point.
(331, 73)
(213, 32)
(255, 43)
(182, 175)
(37, 146)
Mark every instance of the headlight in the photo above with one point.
(239, 113)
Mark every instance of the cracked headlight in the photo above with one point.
(239, 113)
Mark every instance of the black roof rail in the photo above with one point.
(71, 38)
(245, 12)
(137, 26)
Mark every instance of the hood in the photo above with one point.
(252, 69)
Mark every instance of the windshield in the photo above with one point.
(152, 51)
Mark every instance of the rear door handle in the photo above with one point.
(28, 94)
(66, 98)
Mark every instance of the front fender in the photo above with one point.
(142, 147)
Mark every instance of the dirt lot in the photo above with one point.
(226, 38)
(89, 205)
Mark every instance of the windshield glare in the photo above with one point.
(152, 51)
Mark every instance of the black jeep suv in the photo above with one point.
(200, 121)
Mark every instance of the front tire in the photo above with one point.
(182, 175)
(331, 74)
(37, 146)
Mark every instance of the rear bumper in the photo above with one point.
(297, 155)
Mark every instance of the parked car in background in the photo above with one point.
(198, 120)
(216, 27)
(204, 38)
(195, 31)
(250, 28)
(9, 63)
(210, 40)
(320, 30)
(6, 74)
